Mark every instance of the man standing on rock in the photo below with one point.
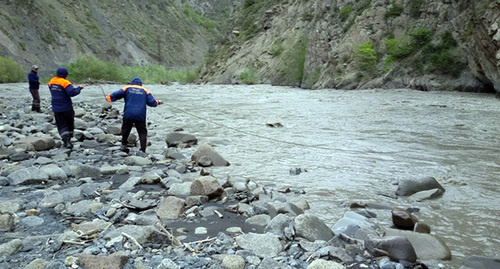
(134, 113)
(34, 84)
(62, 90)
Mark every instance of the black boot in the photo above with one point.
(124, 148)
(67, 142)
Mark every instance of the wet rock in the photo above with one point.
(312, 228)
(479, 262)
(205, 151)
(32, 221)
(408, 187)
(421, 227)
(427, 246)
(396, 247)
(206, 186)
(174, 139)
(354, 220)
(403, 219)
(426, 195)
(262, 245)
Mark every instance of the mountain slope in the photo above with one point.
(352, 44)
(51, 33)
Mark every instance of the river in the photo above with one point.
(354, 146)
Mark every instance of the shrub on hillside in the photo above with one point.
(10, 71)
(366, 57)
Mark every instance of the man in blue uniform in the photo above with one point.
(134, 113)
(62, 90)
(34, 85)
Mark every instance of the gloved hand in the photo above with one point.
(159, 102)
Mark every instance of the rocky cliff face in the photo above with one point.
(350, 44)
(52, 33)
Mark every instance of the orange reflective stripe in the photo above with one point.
(136, 86)
(108, 98)
(59, 81)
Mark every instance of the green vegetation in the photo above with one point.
(291, 70)
(277, 48)
(357, 8)
(195, 17)
(420, 53)
(345, 12)
(366, 57)
(91, 68)
(250, 14)
(10, 71)
(394, 11)
(415, 8)
(249, 76)
(22, 45)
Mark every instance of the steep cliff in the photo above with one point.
(50, 33)
(350, 44)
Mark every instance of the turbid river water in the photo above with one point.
(354, 146)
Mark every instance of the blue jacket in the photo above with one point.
(136, 99)
(62, 90)
(33, 80)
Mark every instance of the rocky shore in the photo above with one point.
(97, 207)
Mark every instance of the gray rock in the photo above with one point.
(324, 264)
(408, 187)
(426, 195)
(180, 189)
(9, 207)
(6, 222)
(396, 247)
(259, 220)
(54, 172)
(27, 176)
(11, 247)
(32, 221)
(312, 228)
(263, 245)
(278, 224)
(403, 219)
(206, 150)
(168, 264)
(170, 208)
(38, 143)
(270, 263)
(427, 246)
(206, 186)
(480, 262)
(130, 183)
(173, 139)
(233, 262)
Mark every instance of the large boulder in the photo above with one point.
(396, 247)
(408, 187)
(38, 143)
(206, 156)
(206, 186)
(427, 246)
(174, 139)
(312, 228)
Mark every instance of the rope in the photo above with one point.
(248, 133)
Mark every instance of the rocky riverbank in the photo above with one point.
(97, 207)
